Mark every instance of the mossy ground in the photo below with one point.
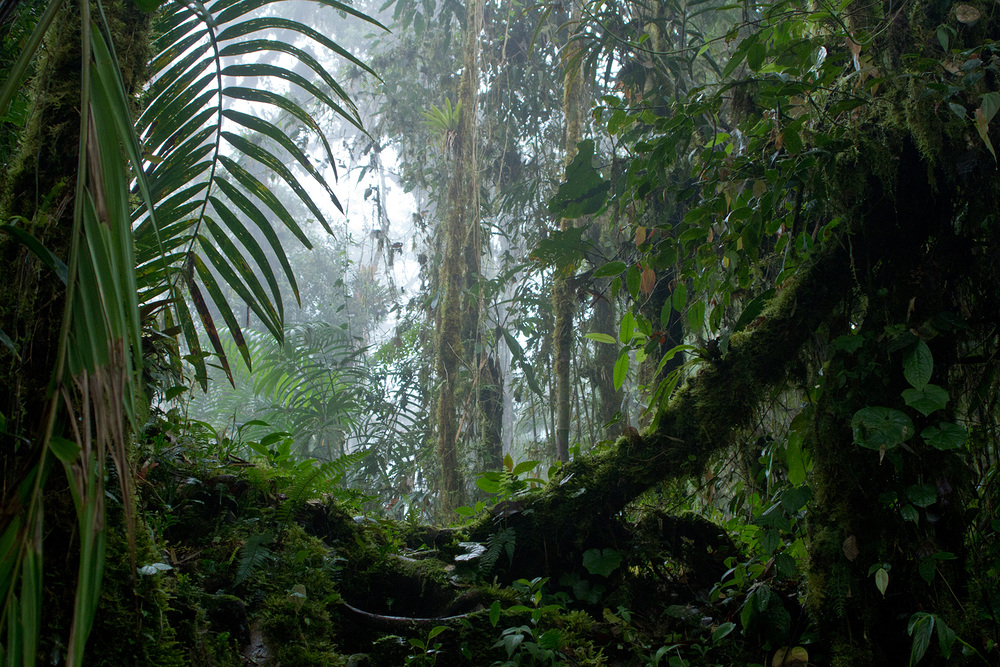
(230, 575)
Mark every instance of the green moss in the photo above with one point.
(299, 629)
(132, 625)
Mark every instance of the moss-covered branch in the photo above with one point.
(699, 421)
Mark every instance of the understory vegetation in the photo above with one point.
(600, 333)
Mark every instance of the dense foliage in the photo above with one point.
(696, 357)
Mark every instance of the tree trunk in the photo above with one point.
(460, 230)
(563, 292)
(43, 380)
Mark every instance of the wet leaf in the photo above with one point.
(881, 580)
(945, 436)
(875, 428)
(927, 400)
(918, 365)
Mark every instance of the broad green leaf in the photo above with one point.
(927, 400)
(909, 513)
(918, 365)
(633, 280)
(945, 436)
(564, 248)
(760, 598)
(626, 330)
(65, 450)
(755, 55)
(523, 467)
(922, 495)
(795, 460)
(621, 370)
(696, 316)
(921, 628)
(790, 656)
(770, 541)
(849, 344)
(990, 105)
(946, 637)
(881, 580)
(944, 38)
(601, 562)
(610, 269)
(679, 297)
(601, 338)
(793, 142)
(796, 498)
(722, 631)
(488, 484)
(927, 569)
(495, 613)
(665, 311)
(875, 428)
(739, 55)
(983, 128)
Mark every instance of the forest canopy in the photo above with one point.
(605, 333)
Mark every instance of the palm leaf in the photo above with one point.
(207, 151)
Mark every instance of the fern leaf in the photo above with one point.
(253, 555)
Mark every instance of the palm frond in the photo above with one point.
(212, 143)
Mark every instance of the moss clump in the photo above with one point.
(299, 629)
(132, 625)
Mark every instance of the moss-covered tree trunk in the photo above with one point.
(563, 291)
(38, 197)
(898, 510)
(38, 192)
(461, 229)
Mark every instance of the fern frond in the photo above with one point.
(502, 541)
(253, 555)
